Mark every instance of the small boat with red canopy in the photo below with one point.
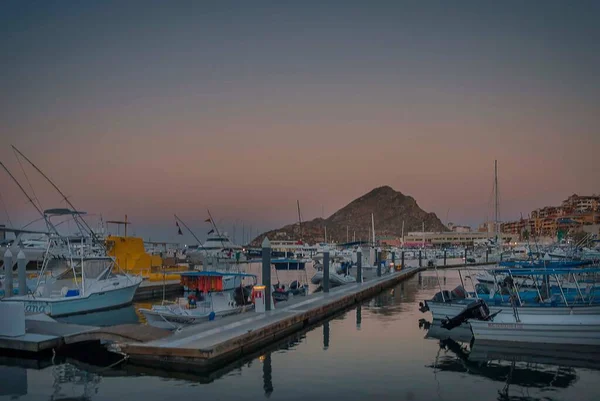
(205, 301)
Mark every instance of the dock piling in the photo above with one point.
(359, 266)
(402, 259)
(21, 266)
(487, 255)
(445, 253)
(8, 277)
(326, 270)
(393, 260)
(378, 260)
(266, 272)
(420, 260)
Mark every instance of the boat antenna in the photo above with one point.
(190, 230)
(212, 221)
(48, 223)
(95, 238)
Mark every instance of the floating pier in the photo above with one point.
(44, 333)
(213, 344)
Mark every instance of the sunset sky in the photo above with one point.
(152, 108)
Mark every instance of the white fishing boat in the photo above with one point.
(206, 300)
(539, 329)
(185, 311)
(217, 246)
(548, 292)
(89, 285)
(443, 310)
(335, 279)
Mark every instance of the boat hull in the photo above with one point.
(443, 310)
(170, 321)
(561, 329)
(97, 301)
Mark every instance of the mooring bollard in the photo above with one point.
(8, 273)
(359, 266)
(266, 272)
(326, 270)
(21, 266)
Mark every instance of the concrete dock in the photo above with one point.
(43, 334)
(214, 344)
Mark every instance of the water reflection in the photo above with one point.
(382, 343)
(267, 375)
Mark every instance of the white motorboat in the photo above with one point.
(216, 246)
(335, 279)
(539, 329)
(89, 285)
(186, 311)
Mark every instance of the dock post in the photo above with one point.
(465, 255)
(445, 253)
(359, 266)
(21, 266)
(402, 259)
(266, 272)
(326, 270)
(487, 255)
(378, 259)
(394, 259)
(420, 260)
(8, 277)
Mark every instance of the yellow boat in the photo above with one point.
(131, 257)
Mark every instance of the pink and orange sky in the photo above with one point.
(150, 108)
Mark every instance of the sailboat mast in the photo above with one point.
(300, 220)
(496, 199)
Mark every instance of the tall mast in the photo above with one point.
(496, 199)
(300, 220)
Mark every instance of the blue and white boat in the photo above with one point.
(87, 286)
(552, 292)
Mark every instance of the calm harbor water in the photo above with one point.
(377, 350)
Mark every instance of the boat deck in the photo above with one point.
(207, 346)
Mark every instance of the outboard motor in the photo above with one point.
(475, 310)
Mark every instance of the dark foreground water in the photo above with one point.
(377, 351)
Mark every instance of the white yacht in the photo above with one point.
(216, 246)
